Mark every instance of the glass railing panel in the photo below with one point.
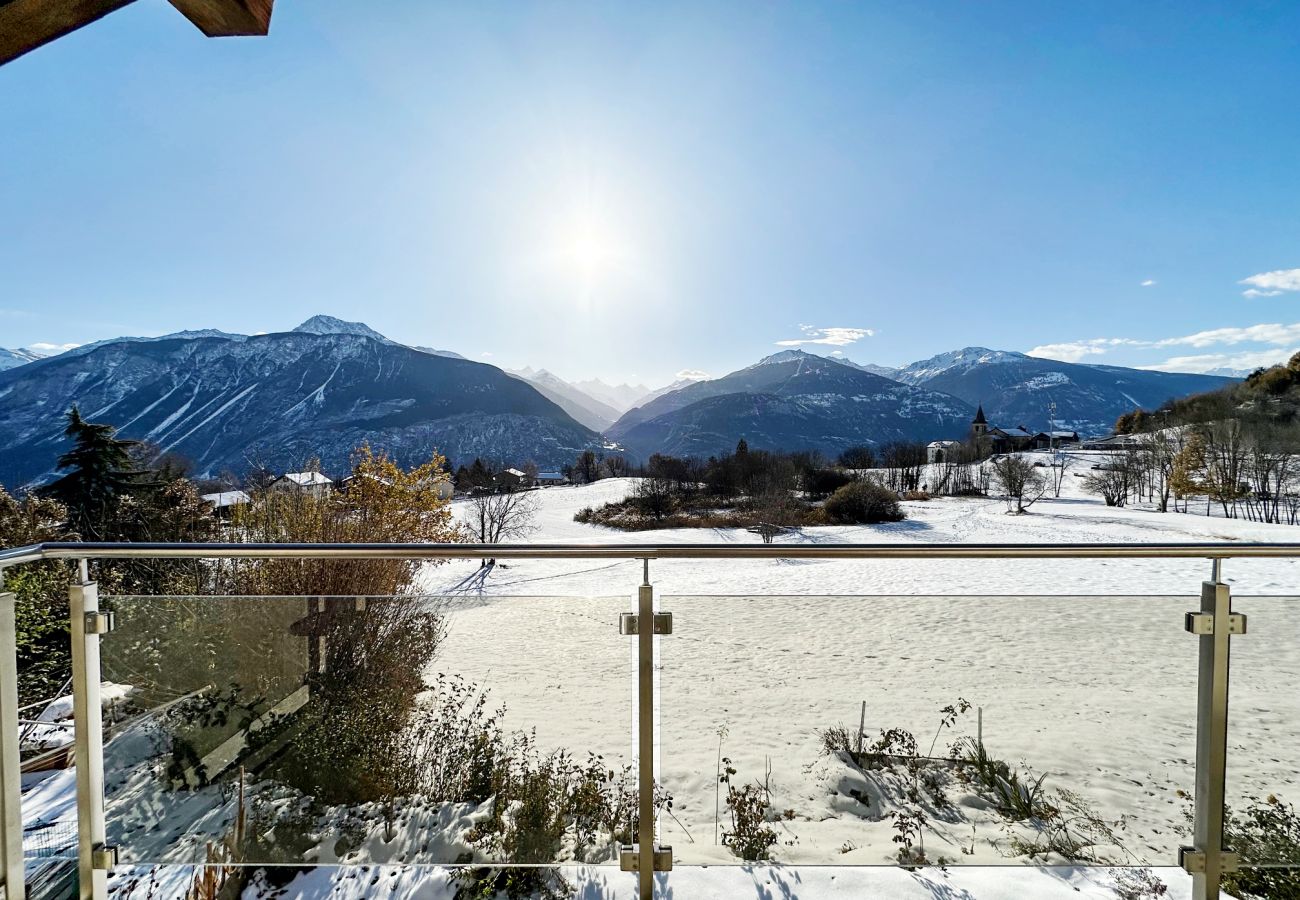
(1263, 789)
(338, 730)
(872, 730)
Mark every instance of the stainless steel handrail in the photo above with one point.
(1203, 550)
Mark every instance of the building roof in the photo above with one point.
(1017, 432)
(305, 479)
(944, 444)
(515, 472)
(979, 416)
(551, 476)
(222, 499)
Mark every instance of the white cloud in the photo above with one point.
(1275, 334)
(1149, 282)
(51, 349)
(1252, 334)
(692, 375)
(1270, 284)
(486, 353)
(838, 336)
(1207, 362)
(1073, 351)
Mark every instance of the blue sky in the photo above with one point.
(632, 190)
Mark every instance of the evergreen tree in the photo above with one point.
(102, 472)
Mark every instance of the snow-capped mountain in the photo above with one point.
(790, 400)
(17, 357)
(677, 385)
(955, 361)
(278, 400)
(1016, 389)
(889, 372)
(620, 397)
(331, 325)
(586, 409)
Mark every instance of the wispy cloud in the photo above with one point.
(6, 313)
(1150, 282)
(692, 375)
(838, 336)
(1073, 351)
(1270, 284)
(1274, 334)
(50, 349)
(1208, 362)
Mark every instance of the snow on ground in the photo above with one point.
(1082, 668)
(705, 883)
(1079, 677)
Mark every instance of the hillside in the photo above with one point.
(279, 399)
(1016, 389)
(791, 401)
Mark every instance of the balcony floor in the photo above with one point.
(693, 883)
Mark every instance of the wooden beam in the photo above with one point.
(228, 18)
(28, 24)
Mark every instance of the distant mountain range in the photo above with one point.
(1017, 389)
(791, 400)
(795, 400)
(227, 400)
(231, 401)
(582, 406)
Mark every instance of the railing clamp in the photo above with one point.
(1192, 861)
(101, 622)
(629, 859)
(1203, 623)
(630, 623)
(103, 857)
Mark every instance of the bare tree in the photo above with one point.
(495, 518)
(1020, 483)
(1113, 480)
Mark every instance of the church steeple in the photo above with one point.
(979, 424)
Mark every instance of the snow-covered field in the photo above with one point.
(1082, 669)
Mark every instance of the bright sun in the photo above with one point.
(590, 252)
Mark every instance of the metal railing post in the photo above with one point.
(12, 885)
(1207, 859)
(645, 662)
(94, 858)
(647, 857)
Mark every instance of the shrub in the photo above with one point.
(863, 503)
(750, 836)
(1267, 831)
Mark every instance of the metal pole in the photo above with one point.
(1211, 739)
(645, 642)
(83, 603)
(11, 791)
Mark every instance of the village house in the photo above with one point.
(312, 483)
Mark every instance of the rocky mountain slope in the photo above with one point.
(1017, 389)
(791, 401)
(279, 399)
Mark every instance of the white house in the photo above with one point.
(937, 451)
(550, 478)
(224, 502)
(313, 483)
